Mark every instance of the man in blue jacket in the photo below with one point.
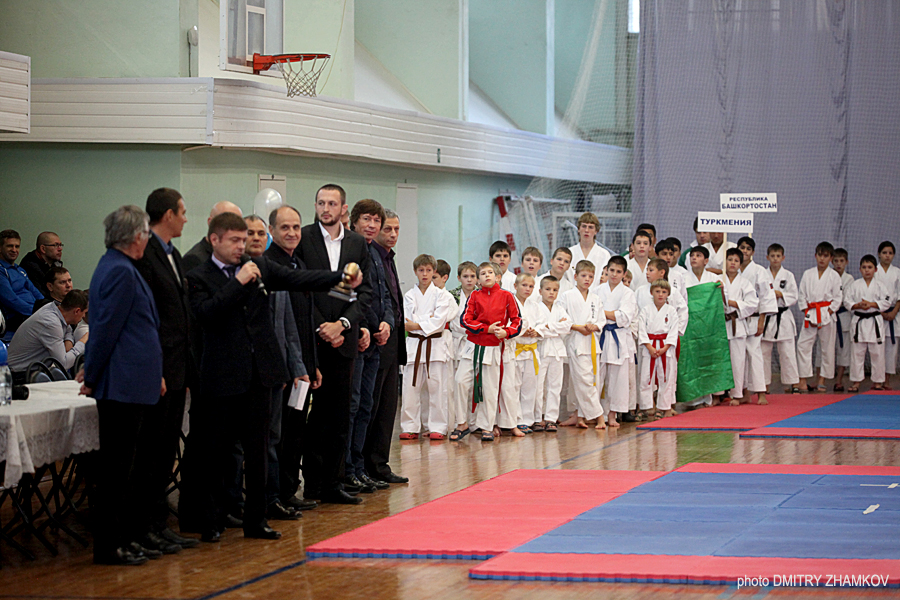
(17, 293)
(123, 371)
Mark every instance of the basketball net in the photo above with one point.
(301, 76)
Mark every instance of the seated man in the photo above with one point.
(47, 254)
(56, 284)
(17, 293)
(45, 333)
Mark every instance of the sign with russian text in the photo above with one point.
(748, 202)
(725, 222)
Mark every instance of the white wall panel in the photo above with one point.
(15, 92)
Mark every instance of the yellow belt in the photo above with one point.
(520, 348)
(593, 357)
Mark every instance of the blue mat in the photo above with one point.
(856, 412)
(732, 514)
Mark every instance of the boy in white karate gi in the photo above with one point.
(665, 250)
(842, 348)
(820, 298)
(757, 275)
(554, 328)
(587, 248)
(867, 298)
(637, 264)
(501, 255)
(718, 248)
(889, 275)
(441, 276)
(427, 309)
(780, 329)
(699, 259)
(586, 312)
(525, 374)
(559, 268)
(461, 409)
(658, 327)
(741, 302)
(616, 340)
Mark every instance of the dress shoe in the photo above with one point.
(154, 541)
(211, 535)
(339, 497)
(300, 503)
(278, 512)
(232, 522)
(150, 553)
(364, 488)
(120, 556)
(379, 485)
(185, 542)
(263, 532)
(350, 487)
(391, 478)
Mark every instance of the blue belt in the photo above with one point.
(840, 333)
(610, 327)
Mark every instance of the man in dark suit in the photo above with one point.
(327, 245)
(241, 360)
(162, 268)
(377, 450)
(123, 371)
(285, 226)
(202, 250)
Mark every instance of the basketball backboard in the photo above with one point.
(247, 27)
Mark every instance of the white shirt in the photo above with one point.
(638, 275)
(826, 288)
(875, 292)
(332, 246)
(432, 311)
(598, 255)
(761, 279)
(690, 280)
(717, 259)
(508, 282)
(644, 298)
(744, 294)
(555, 326)
(582, 311)
(891, 280)
(786, 329)
(657, 321)
(677, 275)
(622, 302)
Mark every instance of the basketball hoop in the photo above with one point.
(301, 71)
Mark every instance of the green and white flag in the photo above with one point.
(704, 365)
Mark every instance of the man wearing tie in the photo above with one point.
(327, 245)
(241, 360)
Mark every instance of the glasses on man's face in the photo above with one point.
(56, 245)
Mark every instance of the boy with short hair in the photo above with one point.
(755, 378)
(616, 342)
(868, 298)
(532, 259)
(427, 309)
(626, 278)
(820, 298)
(889, 275)
(587, 248)
(490, 318)
(780, 329)
(559, 268)
(699, 273)
(741, 302)
(718, 249)
(525, 372)
(665, 250)
(555, 326)
(586, 313)
(642, 242)
(500, 255)
(658, 327)
(461, 413)
(842, 349)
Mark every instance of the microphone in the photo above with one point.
(245, 258)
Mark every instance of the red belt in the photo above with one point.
(657, 340)
(818, 306)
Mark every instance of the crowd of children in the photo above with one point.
(498, 354)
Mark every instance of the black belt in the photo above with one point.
(861, 316)
(781, 310)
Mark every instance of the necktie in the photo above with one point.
(230, 270)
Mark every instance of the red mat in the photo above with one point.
(745, 416)
(485, 519)
(808, 432)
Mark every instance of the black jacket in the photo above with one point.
(302, 305)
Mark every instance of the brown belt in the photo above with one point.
(733, 318)
(426, 339)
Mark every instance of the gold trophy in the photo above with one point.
(343, 291)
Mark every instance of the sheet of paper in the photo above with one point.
(297, 399)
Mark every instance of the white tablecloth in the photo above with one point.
(55, 422)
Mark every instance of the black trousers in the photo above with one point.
(120, 485)
(377, 450)
(328, 426)
(290, 447)
(162, 435)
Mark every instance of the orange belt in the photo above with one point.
(657, 341)
(818, 306)
(427, 341)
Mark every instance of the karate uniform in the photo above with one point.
(717, 259)
(508, 282)
(554, 329)
(450, 364)
(677, 275)
(598, 255)
(486, 306)
(818, 295)
(526, 377)
(461, 403)
(743, 293)
(891, 281)
(781, 330)
(565, 284)
(638, 275)
(660, 371)
(431, 310)
(759, 277)
(867, 332)
(690, 280)
(644, 298)
(615, 357)
(584, 352)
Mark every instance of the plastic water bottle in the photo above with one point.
(5, 378)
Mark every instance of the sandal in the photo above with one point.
(434, 435)
(487, 436)
(838, 387)
(853, 389)
(550, 427)
(878, 388)
(796, 390)
(525, 429)
(458, 434)
(537, 427)
(409, 436)
(821, 389)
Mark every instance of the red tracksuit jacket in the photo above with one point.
(486, 306)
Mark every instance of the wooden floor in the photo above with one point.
(238, 568)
